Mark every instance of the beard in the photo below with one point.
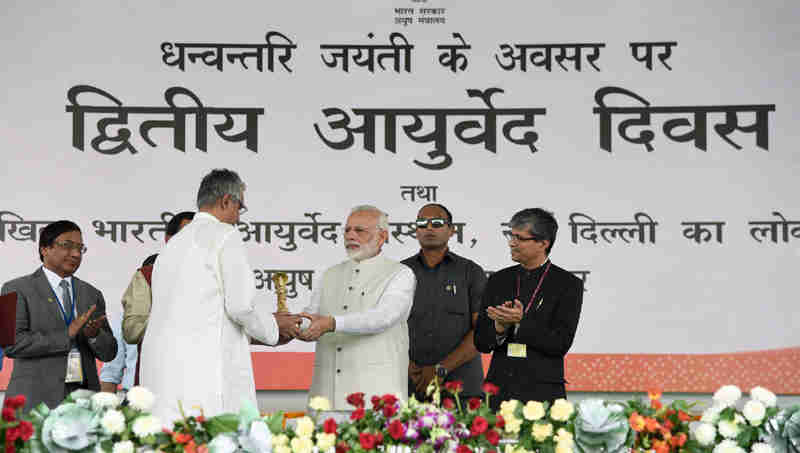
(363, 251)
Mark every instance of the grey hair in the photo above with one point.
(217, 184)
(383, 218)
(537, 222)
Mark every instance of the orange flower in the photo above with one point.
(666, 434)
(636, 421)
(660, 446)
(654, 394)
(191, 447)
(683, 416)
(656, 404)
(651, 424)
(181, 438)
(678, 440)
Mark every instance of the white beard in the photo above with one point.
(364, 251)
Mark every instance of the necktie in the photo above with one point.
(66, 298)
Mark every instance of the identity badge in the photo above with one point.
(74, 369)
(518, 350)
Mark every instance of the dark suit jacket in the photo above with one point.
(42, 342)
(547, 333)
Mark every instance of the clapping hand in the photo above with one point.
(505, 315)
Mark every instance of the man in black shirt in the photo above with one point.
(446, 302)
(529, 314)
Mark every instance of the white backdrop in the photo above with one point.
(668, 295)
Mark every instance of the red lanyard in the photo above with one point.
(538, 287)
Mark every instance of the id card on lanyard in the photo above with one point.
(74, 372)
(520, 350)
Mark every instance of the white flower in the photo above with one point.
(727, 395)
(123, 447)
(705, 433)
(508, 407)
(319, 403)
(765, 396)
(563, 437)
(283, 449)
(760, 447)
(729, 429)
(113, 422)
(728, 446)
(561, 410)
(302, 445)
(534, 410)
(512, 424)
(325, 441)
(141, 398)
(711, 415)
(754, 411)
(280, 439)
(223, 443)
(105, 400)
(541, 431)
(305, 427)
(146, 425)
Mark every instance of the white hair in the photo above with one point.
(383, 218)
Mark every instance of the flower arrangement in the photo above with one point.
(724, 428)
(475, 425)
(14, 431)
(539, 426)
(658, 427)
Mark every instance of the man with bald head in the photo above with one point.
(358, 316)
(446, 305)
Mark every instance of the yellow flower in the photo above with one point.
(283, 449)
(563, 447)
(561, 410)
(512, 423)
(563, 437)
(542, 431)
(319, 403)
(305, 427)
(534, 410)
(507, 408)
(302, 445)
(280, 439)
(325, 441)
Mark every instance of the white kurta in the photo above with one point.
(196, 347)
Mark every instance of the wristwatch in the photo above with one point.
(441, 371)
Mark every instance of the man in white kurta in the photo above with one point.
(204, 314)
(359, 317)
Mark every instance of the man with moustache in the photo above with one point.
(446, 304)
(529, 314)
(61, 328)
(358, 317)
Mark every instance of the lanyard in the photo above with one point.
(538, 287)
(67, 320)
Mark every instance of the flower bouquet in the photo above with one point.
(658, 427)
(539, 426)
(13, 430)
(475, 426)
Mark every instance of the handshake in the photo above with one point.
(303, 326)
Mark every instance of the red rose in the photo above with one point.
(357, 414)
(454, 386)
(26, 430)
(448, 403)
(492, 451)
(15, 402)
(490, 388)
(342, 447)
(356, 399)
(389, 411)
(474, 404)
(463, 449)
(479, 426)
(379, 438)
(376, 402)
(13, 434)
(329, 426)
(500, 421)
(200, 419)
(389, 399)
(10, 446)
(397, 430)
(493, 437)
(8, 414)
(367, 441)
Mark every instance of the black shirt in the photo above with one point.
(445, 299)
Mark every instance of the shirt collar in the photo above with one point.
(531, 272)
(448, 255)
(54, 279)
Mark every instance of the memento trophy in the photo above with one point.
(280, 279)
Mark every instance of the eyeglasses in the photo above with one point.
(242, 207)
(517, 238)
(69, 246)
(434, 223)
